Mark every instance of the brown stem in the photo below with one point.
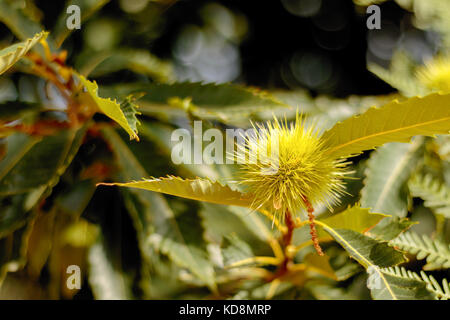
(312, 226)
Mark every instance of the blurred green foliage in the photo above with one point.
(57, 143)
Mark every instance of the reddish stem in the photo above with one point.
(312, 226)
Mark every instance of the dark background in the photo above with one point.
(336, 36)
(275, 35)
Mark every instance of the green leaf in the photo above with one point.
(10, 55)
(284, 290)
(322, 291)
(387, 171)
(213, 96)
(443, 292)
(194, 189)
(395, 286)
(343, 266)
(394, 122)
(37, 162)
(41, 241)
(30, 169)
(160, 134)
(75, 199)
(139, 61)
(354, 218)
(168, 237)
(156, 225)
(226, 102)
(17, 210)
(401, 74)
(13, 16)
(129, 109)
(436, 252)
(431, 284)
(367, 251)
(324, 109)
(87, 9)
(13, 110)
(234, 250)
(372, 255)
(109, 107)
(239, 222)
(390, 227)
(13, 250)
(187, 256)
(17, 146)
(435, 194)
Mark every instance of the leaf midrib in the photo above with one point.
(331, 230)
(333, 150)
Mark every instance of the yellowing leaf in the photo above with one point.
(195, 189)
(110, 108)
(396, 121)
(355, 218)
(10, 55)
